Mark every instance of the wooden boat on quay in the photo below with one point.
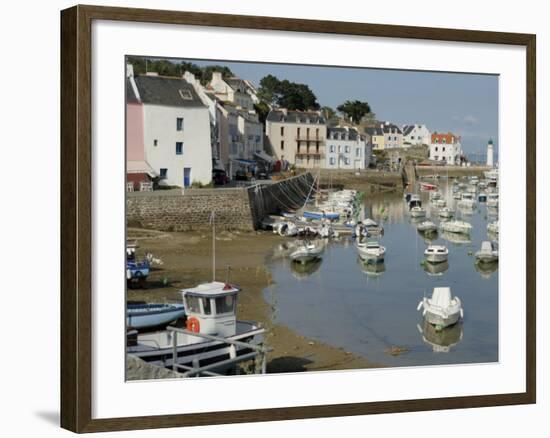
(213, 342)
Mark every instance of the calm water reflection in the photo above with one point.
(367, 309)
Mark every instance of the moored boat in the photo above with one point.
(487, 253)
(426, 226)
(456, 226)
(418, 212)
(371, 251)
(442, 309)
(305, 252)
(147, 315)
(436, 253)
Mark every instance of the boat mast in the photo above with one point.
(213, 222)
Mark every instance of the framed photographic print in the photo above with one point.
(268, 218)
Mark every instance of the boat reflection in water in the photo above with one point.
(441, 341)
(301, 271)
(486, 270)
(436, 269)
(456, 238)
(370, 268)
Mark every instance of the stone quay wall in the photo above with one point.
(238, 208)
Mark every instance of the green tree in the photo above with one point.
(286, 94)
(262, 109)
(328, 112)
(354, 110)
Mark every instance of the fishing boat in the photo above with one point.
(492, 227)
(140, 316)
(213, 338)
(306, 252)
(442, 309)
(456, 226)
(426, 226)
(418, 212)
(436, 254)
(136, 270)
(446, 212)
(487, 253)
(425, 186)
(371, 251)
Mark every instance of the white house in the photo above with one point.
(176, 130)
(233, 90)
(416, 135)
(446, 148)
(346, 149)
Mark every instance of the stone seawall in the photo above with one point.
(239, 208)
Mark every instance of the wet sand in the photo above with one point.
(187, 261)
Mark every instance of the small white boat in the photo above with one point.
(415, 201)
(492, 200)
(306, 252)
(435, 195)
(492, 227)
(418, 212)
(436, 253)
(442, 309)
(457, 195)
(491, 174)
(371, 251)
(446, 212)
(467, 201)
(140, 316)
(426, 226)
(456, 227)
(439, 203)
(487, 253)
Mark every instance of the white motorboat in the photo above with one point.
(492, 227)
(487, 253)
(435, 195)
(442, 309)
(456, 226)
(426, 226)
(467, 201)
(415, 201)
(306, 252)
(439, 203)
(371, 251)
(446, 212)
(418, 212)
(211, 328)
(436, 253)
(492, 200)
(457, 195)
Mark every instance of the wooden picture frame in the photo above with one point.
(76, 217)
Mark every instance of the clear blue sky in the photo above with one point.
(463, 103)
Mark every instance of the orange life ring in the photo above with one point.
(193, 325)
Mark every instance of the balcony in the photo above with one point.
(314, 155)
(306, 138)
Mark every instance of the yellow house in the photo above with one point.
(375, 138)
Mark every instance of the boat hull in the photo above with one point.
(436, 258)
(152, 315)
(440, 320)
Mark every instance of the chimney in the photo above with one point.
(216, 76)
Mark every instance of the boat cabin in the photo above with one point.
(212, 308)
(131, 251)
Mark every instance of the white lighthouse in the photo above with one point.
(490, 153)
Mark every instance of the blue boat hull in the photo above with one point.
(320, 215)
(141, 316)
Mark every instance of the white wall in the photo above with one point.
(32, 393)
(340, 155)
(160, 125)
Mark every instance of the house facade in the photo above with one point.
(177, 130)
(234, 90)
(375, 138)
(138, 170)
(393, 136)
(446, 148)
(416, 135)
(297, 137)
(346, 149)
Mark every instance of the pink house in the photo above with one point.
(137, 168)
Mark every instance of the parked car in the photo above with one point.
(219, 177)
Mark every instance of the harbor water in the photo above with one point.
(371, 309)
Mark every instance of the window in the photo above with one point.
(179, 148)
(179, 124)
(186, 94)
(331, 148)
(282, 145)
(357, 152)
(332, 161)
(347, 161)
(163, 173)
(206, 306)
(436, 148)
(193, 304)
(347, 149)
(443, 149)
(282, 130)
(155, 142)
(225, 304)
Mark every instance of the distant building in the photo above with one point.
(346, 149)
(297, 137)
(446, 147)
(138, 169)
(176, 130)
(490, 161)
(416, 135)
(385, 136)
(235, 90)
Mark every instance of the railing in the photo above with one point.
(306, 138)
(259, 354)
